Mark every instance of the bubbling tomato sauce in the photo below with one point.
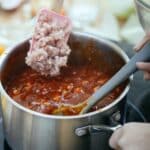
(60, 95)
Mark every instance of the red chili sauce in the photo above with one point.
(61, 94)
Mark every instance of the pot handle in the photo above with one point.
(90, 129)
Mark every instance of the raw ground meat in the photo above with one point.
(48, 47)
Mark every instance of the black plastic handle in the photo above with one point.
(122, 75)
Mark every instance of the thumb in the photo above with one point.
(114, 139)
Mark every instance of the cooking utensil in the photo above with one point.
(119, 77)
(28, 130)
(143, 12)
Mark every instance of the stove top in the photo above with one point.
(137, 100)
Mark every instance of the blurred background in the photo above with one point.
(113, 19)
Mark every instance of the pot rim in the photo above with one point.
(116, 101)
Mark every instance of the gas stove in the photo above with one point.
(136, 108)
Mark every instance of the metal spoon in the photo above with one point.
(143, 11)
(122, 75)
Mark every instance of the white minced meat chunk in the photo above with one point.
(48, 47)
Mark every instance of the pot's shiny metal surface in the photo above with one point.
(29, 130)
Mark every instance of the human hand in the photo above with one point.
(132, 136)
(146, 68)
(142, 65)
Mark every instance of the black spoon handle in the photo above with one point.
(122, 75)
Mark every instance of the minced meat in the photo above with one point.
(48, 47)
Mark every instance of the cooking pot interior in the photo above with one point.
(85, 49)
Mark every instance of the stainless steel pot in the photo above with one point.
(29, 130)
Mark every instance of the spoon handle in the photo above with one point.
(57, 6)
(122, 75)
